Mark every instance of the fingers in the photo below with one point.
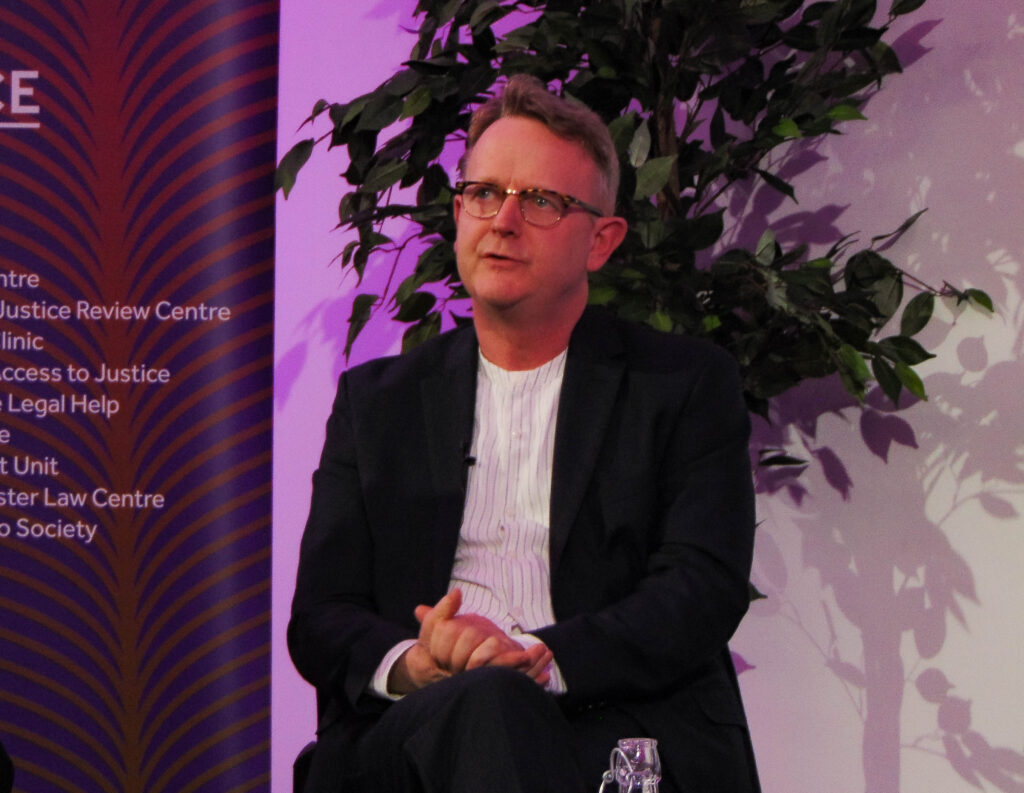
(429, 617)
(539, 670)
(449, 605)
(532, 662)
(492, 647)
(454, 641)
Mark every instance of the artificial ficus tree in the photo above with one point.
(701, 97)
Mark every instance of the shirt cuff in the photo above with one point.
(556, 683)
(379, 682)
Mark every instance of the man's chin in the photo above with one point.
(497, 296)
(503, 304)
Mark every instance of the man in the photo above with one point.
(530, 537)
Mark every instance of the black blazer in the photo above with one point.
(652, 524)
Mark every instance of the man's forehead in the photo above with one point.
(522, 147)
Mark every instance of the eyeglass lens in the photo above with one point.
(539, 207)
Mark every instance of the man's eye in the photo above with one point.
(543, 201)
(484, 192)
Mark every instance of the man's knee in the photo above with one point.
(493, 686)
(476, 726)
(461, 702)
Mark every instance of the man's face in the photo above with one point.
(509, 265)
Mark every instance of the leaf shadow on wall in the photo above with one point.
(874, 527)
(879, 529)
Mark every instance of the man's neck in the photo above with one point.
(518, 345)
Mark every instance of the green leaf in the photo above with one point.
(297, 156)
(621, 130)
(639, 146)
(765, 254)
(415, 307)
(699, 232)
(875, 278)
(362, 307)
(917, 314)
(652, 232)
(351, 110)
(885, 59)
(444, 11)
(318, 108)
(901, 7)
(369, 241)
(759, 12)
(979, 297)
(416, 102)
(480, 13)
(787, 128)
(904, 349)
(659, 320)
(653, 175)
(383, 175)
(381, 111)
(601, 295)
(710, 323)
(846, 113)
(782, 186)
(853, 370)
(347, 251)
(887, 378)
(425, 329)
(401, 84)
(911, 381)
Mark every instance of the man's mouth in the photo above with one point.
(499, 257)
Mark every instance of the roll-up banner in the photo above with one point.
(136, 287)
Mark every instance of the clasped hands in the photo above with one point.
(450, 643)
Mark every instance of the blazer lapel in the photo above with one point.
(448, 399)
(593, 373)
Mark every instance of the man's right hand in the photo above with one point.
(450, 643)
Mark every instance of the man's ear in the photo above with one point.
(609, 232)
(457, 206)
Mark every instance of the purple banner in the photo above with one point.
(137, 148)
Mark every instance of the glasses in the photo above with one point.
(538, 207)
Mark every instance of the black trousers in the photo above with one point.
(492, 730)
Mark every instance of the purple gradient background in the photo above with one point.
(888, 653)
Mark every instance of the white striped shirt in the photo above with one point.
(501, 563)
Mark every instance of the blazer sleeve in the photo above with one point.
(654, 579)
(335, 637)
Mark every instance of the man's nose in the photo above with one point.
(509, 219)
